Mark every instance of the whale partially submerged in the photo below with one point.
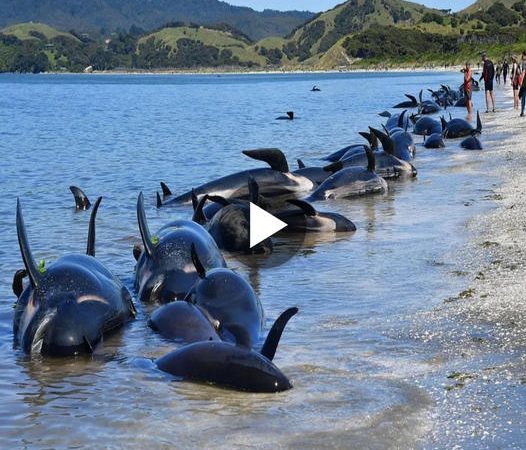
(67, 308)
(273, 181)
(236, 366)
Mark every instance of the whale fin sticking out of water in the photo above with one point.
(68, 307)
(232, 365)
(306, 207)
(289, 116)
(385, 114)
(478, 130)
(271, 342)
(81, 200)
(334, 167)
(301, 164)
(274, 157)
(166, 190)
(18, 284)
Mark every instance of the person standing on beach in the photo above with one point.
(505, 69)
(488, 74)
(468, 77)
(522, 84)
(522, 92)
(515, 73)
(498, 70)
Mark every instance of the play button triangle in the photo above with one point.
(262, 225)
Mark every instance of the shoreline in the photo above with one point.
(479, 337)
(206, 72)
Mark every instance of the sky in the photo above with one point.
(323, 5)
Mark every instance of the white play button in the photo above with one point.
(262, 225)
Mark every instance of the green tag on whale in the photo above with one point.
(42, 266)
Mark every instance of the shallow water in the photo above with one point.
(354, 378)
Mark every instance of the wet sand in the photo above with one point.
(477, 376)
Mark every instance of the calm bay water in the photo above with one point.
(355, 381)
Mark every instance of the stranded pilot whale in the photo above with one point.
(164, 270)
(273, 181)
(230, 365)
(230, 223)
(350, 181)
(305, 218)
(68, 307)
(228, 298)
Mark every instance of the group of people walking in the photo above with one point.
(517, 72)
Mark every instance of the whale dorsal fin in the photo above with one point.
(220, 200)
(274, 157)
(159, 201)
(166, 190)
(444, 123)
(385, 114)
(18, 285)
(90, 248)
(479, 123)
(334, 167)
(271, 343)
(195, 201)
(143, 226)
(201, 271)
(420, 95)
(199, 216)
(401, 119)
(137, 250)
(301, 164)
(371, 160)
(25, 250)
(412, 98)
(290, 114)
(81, 200)
(253, 190)
(371, 138)
(306, 207)
(365, 135)
(387, 142)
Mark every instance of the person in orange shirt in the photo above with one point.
(468, 77)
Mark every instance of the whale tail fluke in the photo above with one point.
(271, 343)
(81, 200)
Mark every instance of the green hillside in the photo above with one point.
(34, 30)
(354, 34)
(186, 45)
(483, 5)
(351, 17)
(360, 33)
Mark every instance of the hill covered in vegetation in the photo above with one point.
(106, 16)
(354, 34)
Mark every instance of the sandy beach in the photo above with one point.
(479, 336)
